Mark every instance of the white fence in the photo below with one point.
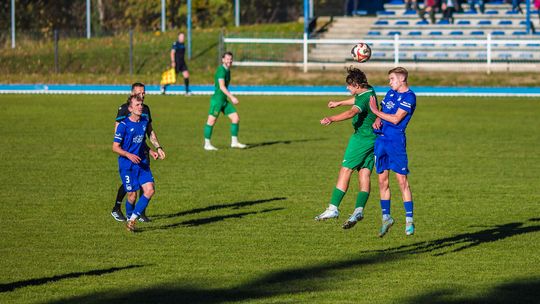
(490, 54)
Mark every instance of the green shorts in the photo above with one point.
(359, 153)
(219, 105)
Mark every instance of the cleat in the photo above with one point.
(144, 219)
(409, 229)
(386, 224)
(118, 215)
(353, 219)
(327, 214)
(130, 226)
(238, 145)
(162, 91)
(210, 148)
(188, 93)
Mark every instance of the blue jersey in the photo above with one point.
(131, 136)
(390, 105)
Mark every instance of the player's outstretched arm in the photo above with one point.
(118, 150)
(341, 116)
(393, 118)
(347, 102)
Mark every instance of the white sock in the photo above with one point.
(133, 217)
(358, 210)
(207, 142)
(332, 207)
(408, 220)
(234, 140)
(385, 217)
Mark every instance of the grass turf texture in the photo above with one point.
(237, 226)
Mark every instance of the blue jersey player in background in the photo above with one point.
(133, 162)
(397, 108)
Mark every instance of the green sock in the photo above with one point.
(337, 196)
(234, 129)
(208, 131)
(361, 199)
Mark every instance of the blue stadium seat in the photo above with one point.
(443, 21)
(420, 55)
(491, 12)
(481, 55)
(477, 33)
(471, 12)
(526, 56)
(381, 22)
(464, 22)
(505, 22)
(518, 33)
(511, 45)
(448, 45)
(440, 55)
(415, 33)
(505, 56)
(456, 33)
(374, 33)
(409, 12)
(402, 22)
(386, 13)
(435, 33)
(512, 13)
(397, 2)
(462, 55)
(427, 44)
(470, 45)
(407, 44)
(422, 22)
(523, 22)
(392, 33)
(378, 55)
(484, 22)
(533, 44)
(498, 33)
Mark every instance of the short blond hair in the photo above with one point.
(400, 71)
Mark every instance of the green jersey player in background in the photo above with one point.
(359, 152)
(219, 103)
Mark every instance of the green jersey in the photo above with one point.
(363, 121)
(225, 74)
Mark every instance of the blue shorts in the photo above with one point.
(134, 177)
(391, 154)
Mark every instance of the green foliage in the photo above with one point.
(237, 226)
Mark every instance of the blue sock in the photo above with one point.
(129, 209)
(385, 207)
(141, 205)
(409, 206)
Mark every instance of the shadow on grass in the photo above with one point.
(464, 241)
(236, 205)
(205, 51)
(519, 291)
(276, 142)
(314, 278)
(207, 220)
(41, 281)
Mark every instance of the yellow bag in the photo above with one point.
(168, 77)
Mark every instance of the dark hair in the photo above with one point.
(401, 71)
(226, 53)
(356, 77)
(137, 84)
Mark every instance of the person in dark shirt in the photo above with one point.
(178, 62)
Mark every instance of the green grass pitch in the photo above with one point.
(237, 226)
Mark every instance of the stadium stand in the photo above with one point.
(497, 22)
